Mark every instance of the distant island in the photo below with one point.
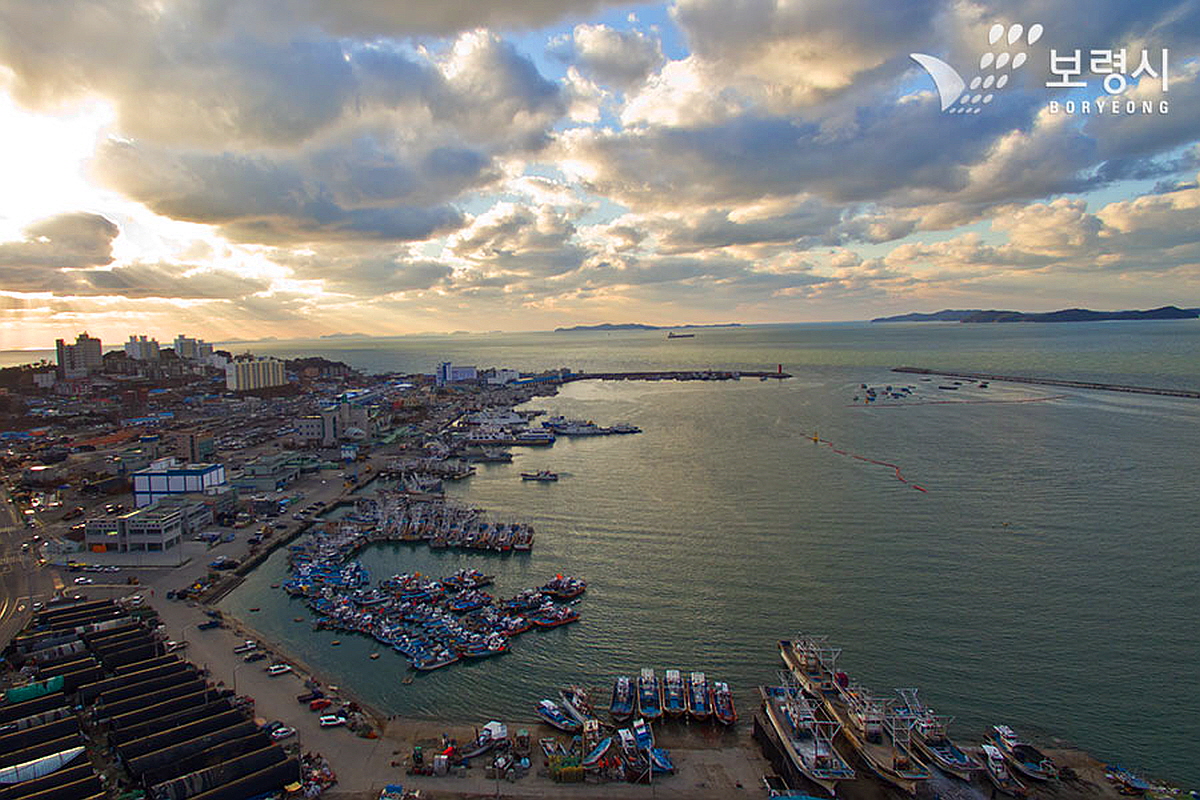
(636, 326)
(346, 336)
(1065, 315)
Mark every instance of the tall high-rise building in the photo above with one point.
(79, 359)
(141, 348)
(254, 373)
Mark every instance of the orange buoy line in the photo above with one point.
(895, 469)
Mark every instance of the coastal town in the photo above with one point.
(144, 484)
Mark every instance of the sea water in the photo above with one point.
(1046, 578)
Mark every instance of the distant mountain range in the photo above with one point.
(1065, 315)
(636, 326)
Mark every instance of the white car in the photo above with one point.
(83, 580)
(282, 732)
(331, 721)
(246, 646)
(279, 669)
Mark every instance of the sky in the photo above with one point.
(292, 168)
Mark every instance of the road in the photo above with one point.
(23, 580)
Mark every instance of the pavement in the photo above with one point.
(23, 580)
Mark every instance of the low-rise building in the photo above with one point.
(267, 473)
(146, 530)
(168, 476)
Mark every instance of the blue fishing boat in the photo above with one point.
(649, 695)
(699, 702)
(621, 705)
(660, 761)
(674, 695)
(597, 753)
(552, 715)
(722, 703)
(643, 734)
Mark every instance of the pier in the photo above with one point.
(1104, 387)
(677, 375)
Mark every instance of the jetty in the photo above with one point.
(678, 375)
(1105, 387)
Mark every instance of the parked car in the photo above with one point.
(279, 669)
(254, 655)
(320, 704)
(332, 721)
(279, 734)
(246, 646)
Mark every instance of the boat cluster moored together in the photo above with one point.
(608, 751)
(394, 516)
(432, 622)
(676, 696)
(901, 740)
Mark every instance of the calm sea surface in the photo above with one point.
(1048, 578)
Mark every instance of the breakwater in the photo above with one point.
(1105, 387)
(677, 375)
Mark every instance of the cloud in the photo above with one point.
(359, 192)
(614, 57)
(520, 239)
(73, 240)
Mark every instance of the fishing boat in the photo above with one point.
(564, 587)
(722, 703)
(674, 335)
(552, 715)
(576, 704)
(699, 702)
(806, 737)
(931, 740)
(1028, 760)
(660, 761)
(597, 753)
(999, 774)
(543, 476)
(649, 695)
(883, 739)
(674, 701)
(492, 645)
(491, 735)
(551, 616)
(643, 734)
(621, 705)
(435, 661)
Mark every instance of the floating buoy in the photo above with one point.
(335, 642)
(374, 655)
(895, 469)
